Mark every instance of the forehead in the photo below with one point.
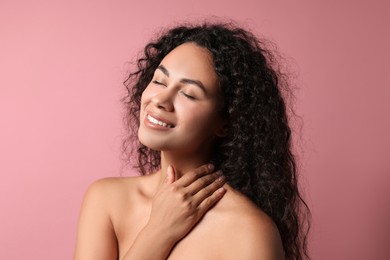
(192, 62)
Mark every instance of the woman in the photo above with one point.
(218, 176)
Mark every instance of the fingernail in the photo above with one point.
(211, 167)
(221, 190)
(221, 179)
(219, 172)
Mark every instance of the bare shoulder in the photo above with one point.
(253, 233)
(106, 184)
(117, 190)
(104, 191)
(103, 201)
(111, 186)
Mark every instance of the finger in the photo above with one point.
(192, 176)
(208, 191)
(170, 176)
(210, 201)
(203, 182)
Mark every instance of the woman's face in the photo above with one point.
(180, 106)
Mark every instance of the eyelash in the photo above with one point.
(157, 82)
(186, 95)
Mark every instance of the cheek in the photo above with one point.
(146, 96)
(199, 117)
(146, 93)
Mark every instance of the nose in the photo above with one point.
(163, 100)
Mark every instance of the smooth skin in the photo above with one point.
(182, 211)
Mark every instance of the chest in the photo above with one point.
(201, 243)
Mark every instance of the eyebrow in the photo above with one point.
(197, 83)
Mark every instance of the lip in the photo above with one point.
(159, 118)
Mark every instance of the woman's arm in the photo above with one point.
(177, 207)
(95, 236)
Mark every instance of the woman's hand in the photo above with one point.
(179, 204)
(176, 208)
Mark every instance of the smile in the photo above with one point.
(158, 122)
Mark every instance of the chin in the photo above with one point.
(150, 142)
(153, 147)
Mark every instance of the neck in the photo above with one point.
(182, 163)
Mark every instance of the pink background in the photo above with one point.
(61, 68)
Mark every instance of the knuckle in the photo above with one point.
(205, 168)
(198, 173)
(208, 202)
(192, 218)
(187, 208)
(182, 195)
(201, 171)
(188, 205)
(174, 188)
(207, 191)
(188, 178)
(204, 181)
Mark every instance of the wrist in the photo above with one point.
(161, 236)
(150, 237)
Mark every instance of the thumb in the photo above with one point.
(170, 178)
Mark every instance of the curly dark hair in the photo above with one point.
(256, 155)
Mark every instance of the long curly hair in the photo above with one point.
(256, 154)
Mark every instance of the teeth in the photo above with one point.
(157, 122)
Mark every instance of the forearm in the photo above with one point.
(150, 244)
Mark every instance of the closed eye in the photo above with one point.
(158, 82)
(188, 96)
